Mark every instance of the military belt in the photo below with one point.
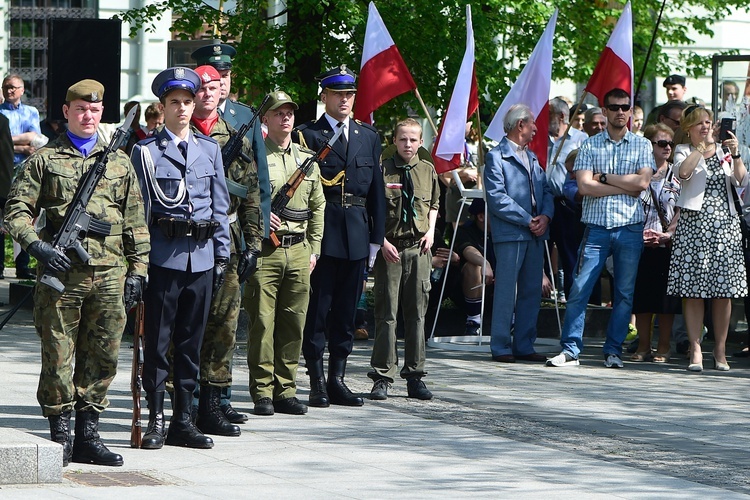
(178, 227)
(347, 200)
(405, 243)
(96, 227)
(296, 215)
(289, 239)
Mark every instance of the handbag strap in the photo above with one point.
(659, 209)
(736, 198)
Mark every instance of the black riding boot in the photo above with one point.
(59, 429)
(318, 395)
(87, 446)
(182, 430)
(154, 437)
(338, 392)
(211, 419)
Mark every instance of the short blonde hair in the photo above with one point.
(692, 115)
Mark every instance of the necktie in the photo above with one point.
(344, 141)
(182, 146)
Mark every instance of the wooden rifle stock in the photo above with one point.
(136, 380)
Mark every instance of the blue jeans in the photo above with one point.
(625, 244)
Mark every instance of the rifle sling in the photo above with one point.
(96, 227)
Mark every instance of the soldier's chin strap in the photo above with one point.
(147, 162)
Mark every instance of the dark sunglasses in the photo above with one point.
(663, 144)
(618, 107)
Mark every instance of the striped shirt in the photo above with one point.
(600, 154)
(22, 119)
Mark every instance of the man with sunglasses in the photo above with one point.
(612, 168)
(670, 114)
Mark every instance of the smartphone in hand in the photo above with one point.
(727, 125)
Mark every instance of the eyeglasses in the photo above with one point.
(12, 87)
(670, 118)
(618, 107)
(663, 144)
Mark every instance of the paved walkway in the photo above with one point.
(492, 431)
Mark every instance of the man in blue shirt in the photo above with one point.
(24, 128)
(612, 168)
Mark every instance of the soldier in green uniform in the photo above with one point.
(244, 220)
(85, 322)
(402, 268)
(277, 296)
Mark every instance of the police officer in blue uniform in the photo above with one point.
(353, 233)
(186, 203)
(236, 114)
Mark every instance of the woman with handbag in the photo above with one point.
(707, 260)
(650, 296)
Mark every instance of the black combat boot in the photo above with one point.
(338, 392)
(154, 437)
(182, 430)
(211, 419)
(318, 395)
(88, 447)
(59, 429)
(233, 415)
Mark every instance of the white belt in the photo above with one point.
(232, 217)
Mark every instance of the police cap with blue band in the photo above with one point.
(218, 55)
(341, 78)
(175, 78)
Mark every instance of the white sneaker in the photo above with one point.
(563, 359)
(613, 361)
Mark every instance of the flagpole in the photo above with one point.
(426, 113)
(648, 54)
(480, 148)
(570, 124)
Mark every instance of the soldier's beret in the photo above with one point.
(340, 78)
(674, 80)
(207, 73)
(86, 90)
(277, 99)
(218, 55)
(175, 78)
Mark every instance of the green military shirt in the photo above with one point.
(281, 166)
(249, 221)
(426, 197)
(48, 180)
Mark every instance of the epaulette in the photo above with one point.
(147, 140)
(367, 125)
(252, 109)
(305, 149)
(205, 137)
(302, 127)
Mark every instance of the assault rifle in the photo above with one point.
(281, 200)
(76, 223)
(136, 378)
(233, 148)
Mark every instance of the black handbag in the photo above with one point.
(743, 223)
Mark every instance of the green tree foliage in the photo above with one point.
(286, 50)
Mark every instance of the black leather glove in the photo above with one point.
(49, 256)
(248, 264)
(220, 271)
(133, 291)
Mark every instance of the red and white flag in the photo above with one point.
(383, 73)
(464, 102)
(532, 88)
(615, 67)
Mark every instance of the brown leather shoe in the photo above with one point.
(505, 358)
(361, 334)
(532, 357)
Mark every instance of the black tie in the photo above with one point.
(182, 146)
(344, 141)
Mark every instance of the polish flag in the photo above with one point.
(532, 89)
(451, 138)
(615, 66)
(383, 74)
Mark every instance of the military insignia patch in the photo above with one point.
(94, 96)
(179, 73)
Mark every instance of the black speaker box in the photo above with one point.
(79, 49)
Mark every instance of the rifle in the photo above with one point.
(136, 378)
(233, 148)
(281, 200)
(76, 223)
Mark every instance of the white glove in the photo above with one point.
(374, 249)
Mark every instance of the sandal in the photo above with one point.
(660, 357)
(641, 356)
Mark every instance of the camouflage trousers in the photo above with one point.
(276, 299)
(83, 324)
(221, 331)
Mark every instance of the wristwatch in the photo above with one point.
(603, 178)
